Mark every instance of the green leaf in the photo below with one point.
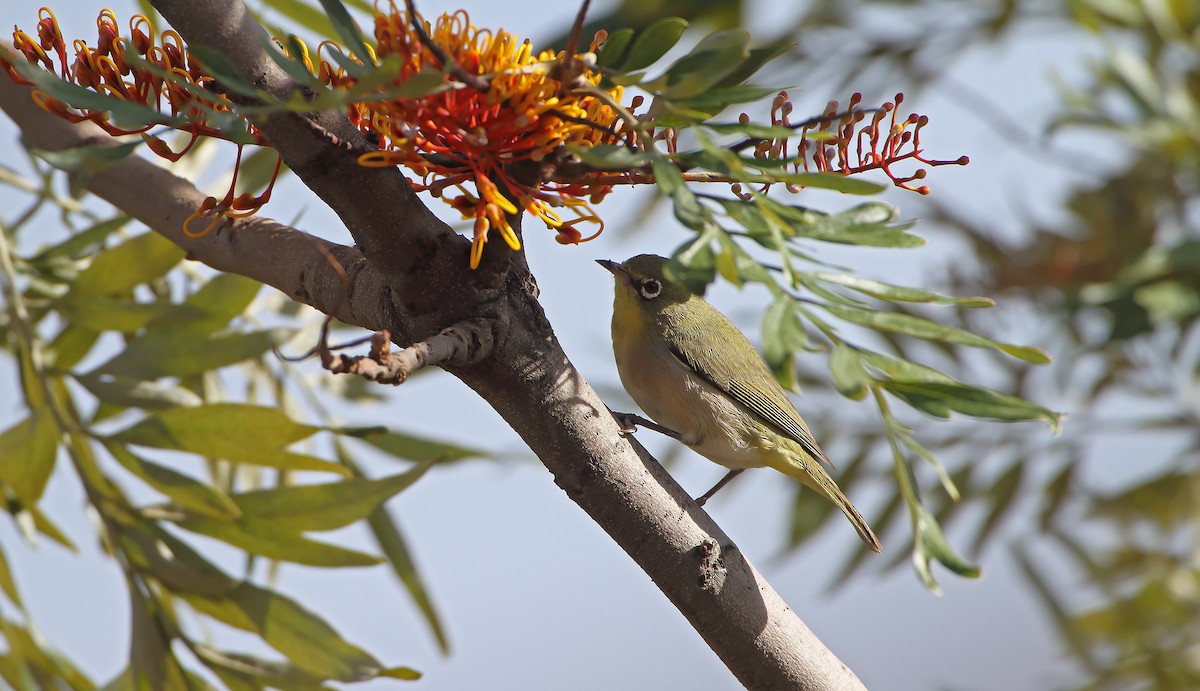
(670, 181)
(613, 48)
(186, 491)
(886, 291)
(182, 353)
(325, 506)
(9, 586)
(133, 393)
(88, 161)
(213, 306)
(831, 181)
(219, 66)
(715, 100)
(172, 561)
(27, 453)
(126, 114)
(136, 261)
(411, 448)
(79, 242)
(919, 327)
(351, 36)
(255, 672)
(277, 540)
(782, 335)
(233, 432)
(939, 399)
(151, 662)
(610, 157)
(932, 544)
(303, 637)
(395, 549)
(845, 365)
(693, 264)
(100, 312)
(714, 57)
(652, 43)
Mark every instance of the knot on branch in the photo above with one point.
(465, 343)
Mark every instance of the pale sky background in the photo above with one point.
(533, 594)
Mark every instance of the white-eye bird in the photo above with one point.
(692, 371)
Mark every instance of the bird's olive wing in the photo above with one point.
(719, 363)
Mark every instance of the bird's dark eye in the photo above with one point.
(650, 288)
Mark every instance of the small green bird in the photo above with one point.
(692, 371)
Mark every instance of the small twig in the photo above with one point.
(473, 81)
(465, 343)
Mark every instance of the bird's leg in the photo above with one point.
(724, 481)
(629, 423)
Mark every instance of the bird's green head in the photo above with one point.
(643, 285)
(646, 300)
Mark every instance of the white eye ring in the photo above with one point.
(650, 289)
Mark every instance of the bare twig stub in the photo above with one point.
(465, 343)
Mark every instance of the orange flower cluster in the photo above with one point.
(466, 138)
(499, 104)
(144, 69)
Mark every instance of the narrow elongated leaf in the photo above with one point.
(183, 353)
(106, 313)
(151, 661)
(351, 35)
(234, 432)
(886, 291)
(714, 57)
(687, 207)
(9, 586)
(919, 327)
(395, 549)
(132, 393)
(611, 157)
(188, 492)
(652, 43)
(326, 506)
(277, 540)
(213, 306)
(782, 335)
(411, 448)
(255, 671)
(693, 263)
(848, 376)
(940, 399)
(613, 49)
(303, 637)
(137, 260)
(170, 560)
(80, 242)
(931, 543)
(27, 453)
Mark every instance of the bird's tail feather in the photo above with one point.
(814, 476)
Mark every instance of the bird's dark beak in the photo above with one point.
(617, 268)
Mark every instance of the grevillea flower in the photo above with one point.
(464, 141)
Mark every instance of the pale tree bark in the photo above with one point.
(409, 275)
